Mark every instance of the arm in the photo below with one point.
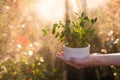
(98, 60)
(108, 59)
(93, 60)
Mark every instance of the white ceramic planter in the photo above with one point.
(76, 52)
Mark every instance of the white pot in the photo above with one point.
(76, 52)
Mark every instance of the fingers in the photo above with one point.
(79, 63)
(76, 61)
(71, 64)
(60, 56)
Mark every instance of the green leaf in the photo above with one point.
(44, 32)
(54, 28)
(68, 21)
(62, 34)
(53, 31)
(92, 21)
(37, 71)
(95, 19)
(61, 23)
(56, 35)
(75, 29)
(86, 18)
(55, 25)
(33, 65)
(82, 14)
(54, 70)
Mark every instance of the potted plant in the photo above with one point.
(75, 35)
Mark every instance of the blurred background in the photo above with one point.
(25, 54)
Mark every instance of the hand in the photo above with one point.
(88, 61)
(60, 56)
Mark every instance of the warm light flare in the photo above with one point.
(41, 59)
(30, 53)
(104, 50)
(116, 41)
(50, 10)
(115, 74)
(19, 46)
(110, 33)
(96, 3)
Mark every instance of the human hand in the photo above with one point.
(88, 61)
(60, 56)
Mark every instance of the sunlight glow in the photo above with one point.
(115, 74)
(50, 10)
(116, 41)
(31, 45)
(30, 53)
(39, 63)
(110, 33)
(41, 59)
(19, 46)
(104, 50)
(36, 44)
(74, 5)
(54, 10)
(96, 3)
(22, 25)
(7, 7)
